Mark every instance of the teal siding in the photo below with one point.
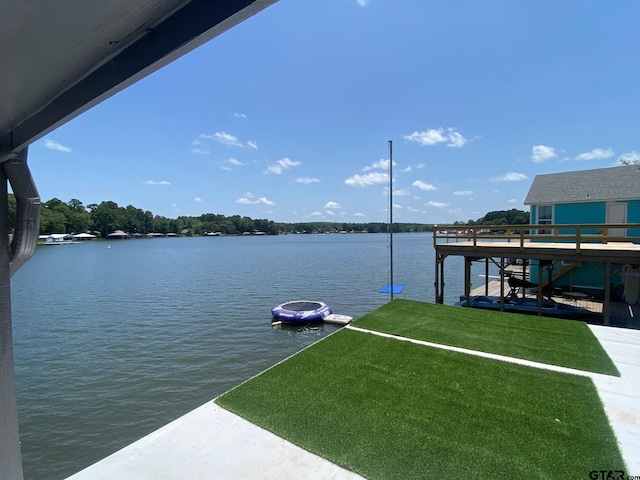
(581, 213)
(633, 216)
(588, 277)
(593, 212)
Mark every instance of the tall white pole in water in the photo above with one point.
(391, 217)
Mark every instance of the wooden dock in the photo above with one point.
(621, 314)
(600, 245)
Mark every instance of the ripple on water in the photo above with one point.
(111, 344)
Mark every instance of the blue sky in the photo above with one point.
(287, 116)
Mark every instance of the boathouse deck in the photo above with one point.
(621, 314)
(610, 245)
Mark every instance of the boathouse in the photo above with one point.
(583, 243)
(119, 234)
(55, 238)
(603, 195)
(606, 196)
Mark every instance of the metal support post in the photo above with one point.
(607, 294)
(12, 256)
(467, 279)
(10, 458)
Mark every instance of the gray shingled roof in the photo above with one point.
(601, 184)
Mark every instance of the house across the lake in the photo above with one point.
(608, 196)
(56, 238)
(84, 236)
(119, 234)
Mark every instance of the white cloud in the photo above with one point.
(197, 199)
(542, 153)
(316, 214)
(421, 165)
(363, 3)
(281, 165)
(463, 192)
(512, 200)
(358, 214)
(247, 200)
(176, 208)
(154, 182)
(53, 145)
(306, 180)
(329, 212)
(234, 161)
(252, 144)
(265, 201)
(509, 177)
(413, 210)
(224, 167)
(428, 137)
(332, 205)
(196, 142)
(456, 140)
(239, 115)
(382, 164)
(368, 179)
(434, 136)
(631, 157)
(396, 193)
(596, 154)
(424, 186)
(200, 151)
(224, 138)
(249, 195)
(437, 204)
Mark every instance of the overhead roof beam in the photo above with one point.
(187, 28)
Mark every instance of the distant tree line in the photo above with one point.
(57, 216)
(501, 217)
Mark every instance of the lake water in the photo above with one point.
(113, 343)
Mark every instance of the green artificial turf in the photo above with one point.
(554, 341)
(388, 409)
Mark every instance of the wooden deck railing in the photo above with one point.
(578, 234)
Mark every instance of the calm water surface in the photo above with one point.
(113, 343)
